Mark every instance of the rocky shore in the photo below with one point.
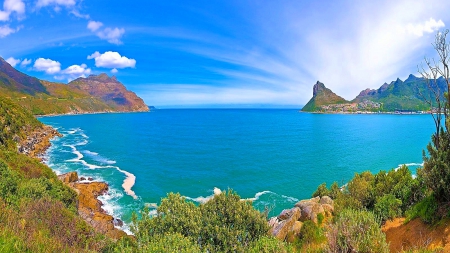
(37, 142)
(288, 224)
(90, 208)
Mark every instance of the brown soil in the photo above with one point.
(417, 235)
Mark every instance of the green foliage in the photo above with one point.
(388, 207)
(230, 224)
(269, 245)
(311, 233)
(425, 209)
(356, 231)
(436, 169)
(395, 189)
(15, 122)
(8, 183)
(223, 224)
(322, 190)
(37, 188)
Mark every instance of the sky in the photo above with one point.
(234, 53)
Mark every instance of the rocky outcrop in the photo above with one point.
(37, 142)
(288, 224)
(90, 208)
(111, 91)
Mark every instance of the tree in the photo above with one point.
(436, 170)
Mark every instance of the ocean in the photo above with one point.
(274, 157)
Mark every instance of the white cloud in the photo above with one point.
(47, 65)
(111, 59)
(67, 3)
(77, 70)
(428, 26)
(73, 72)
(94, 25)
(111, 35)
(6, 30)
(13, 62)
(114, 71)
(11, 6)
(25, 62)
(94, 55)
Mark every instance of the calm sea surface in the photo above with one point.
(274, 157)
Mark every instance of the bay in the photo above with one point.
(273, 156)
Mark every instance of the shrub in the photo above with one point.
(223, 224)
(8, 183)
(356, 231)
(267, 244)
(322, 190)
(230, 224)
(388, 207)
(425, 209)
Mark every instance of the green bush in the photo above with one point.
(223, 224)
(267, 244)
(322, 190)
(8, 183)
(388, 207)
(356, 231)
(425, 209)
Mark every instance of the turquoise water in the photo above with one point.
(275, 157)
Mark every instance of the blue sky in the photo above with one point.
(222, 53)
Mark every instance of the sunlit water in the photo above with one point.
(274, 157)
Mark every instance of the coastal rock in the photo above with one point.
(281, 228)
(70, 177)
(326, 200)
(37, 141)
(294, 232)
(288, 224)
(310, 212)
(329, 209)
(287, 213)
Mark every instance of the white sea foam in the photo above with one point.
(408, 165)
(257, 195)
(128, 182)
(202, 200)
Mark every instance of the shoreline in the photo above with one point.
(89, 207)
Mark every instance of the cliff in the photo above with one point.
(322, 96)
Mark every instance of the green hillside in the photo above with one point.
(42, 97)
(398, 95)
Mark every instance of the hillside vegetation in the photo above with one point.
(42, 97)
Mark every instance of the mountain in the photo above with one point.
(322, 96)
(111, 91)
(405, 95)
(80, 96)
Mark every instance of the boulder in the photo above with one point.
(310, 212)
(70, 177)
(283, 227)
(326, 200)
(329, 209)
(294, 232)
(287, 213)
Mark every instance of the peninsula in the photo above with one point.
(397, 96)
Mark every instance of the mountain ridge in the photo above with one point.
(43, 97)
(398, 95)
